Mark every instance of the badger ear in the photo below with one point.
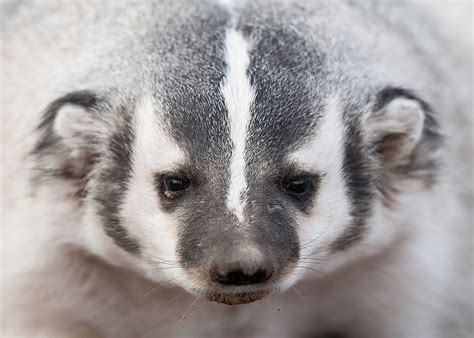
(404, 135)
(70, 134)
(77, 126)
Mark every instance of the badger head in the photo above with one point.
(251, 155)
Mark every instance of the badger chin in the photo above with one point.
(236, 298)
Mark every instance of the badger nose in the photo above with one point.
(242, 272)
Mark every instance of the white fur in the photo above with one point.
(238, 95)
(70, 120)
(324, 155)
(153, 152)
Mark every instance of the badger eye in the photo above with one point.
(298, 187)
(175, 186)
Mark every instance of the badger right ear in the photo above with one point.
(71, 133)
(405, 138)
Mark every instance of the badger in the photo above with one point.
(234, 169)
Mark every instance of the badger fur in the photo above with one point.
(163, 160)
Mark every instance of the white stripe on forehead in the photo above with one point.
(238, 95)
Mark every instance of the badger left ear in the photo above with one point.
(404, 135)
(69, 137)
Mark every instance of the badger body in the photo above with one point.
(302, 157)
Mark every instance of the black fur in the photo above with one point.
(189, 88)
(387, 94)
(359, 177)
(284, 71)
(112, 183)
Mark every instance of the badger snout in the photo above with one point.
(241, 274)
(236, 263)
(250, 269)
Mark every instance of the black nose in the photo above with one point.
(242, 272)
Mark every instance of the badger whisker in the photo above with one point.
(317, 237)
(163, 285)
(189, 309)
(308, 268)
(297, 292)
(175, 298)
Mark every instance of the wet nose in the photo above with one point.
(242, 272)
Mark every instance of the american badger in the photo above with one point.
(164, 160)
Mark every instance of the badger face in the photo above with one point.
(239, 170)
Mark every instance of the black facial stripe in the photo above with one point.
(283, 70)
(194, 108)
(359, 182)
(112, 184)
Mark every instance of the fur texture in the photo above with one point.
(239, 101)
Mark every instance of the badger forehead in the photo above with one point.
(223, 82)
